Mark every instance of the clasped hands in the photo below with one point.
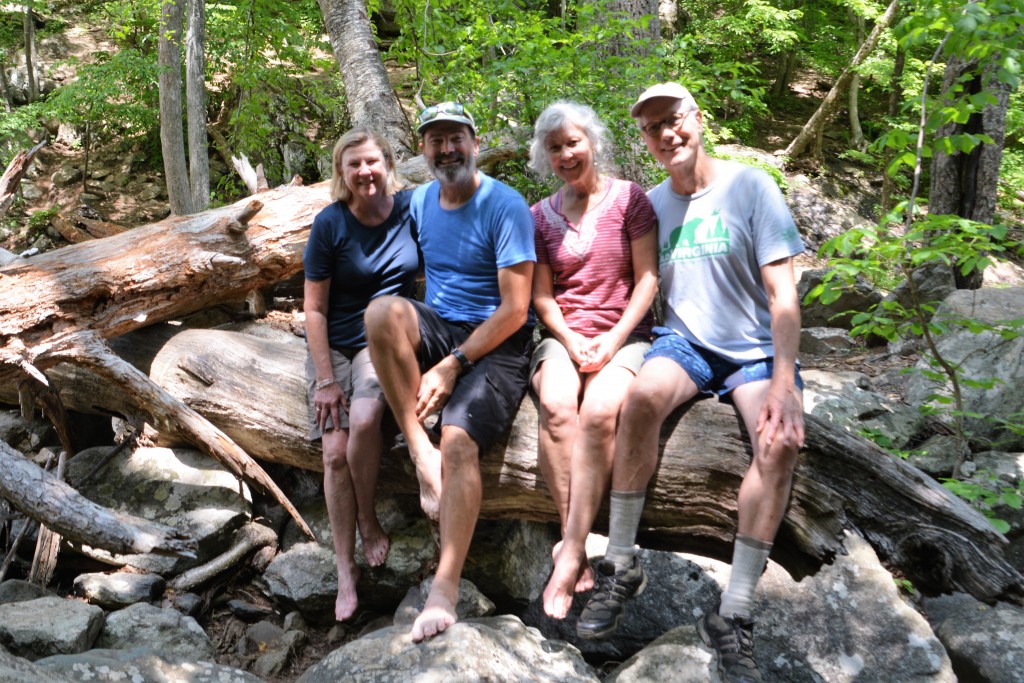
(592, 353)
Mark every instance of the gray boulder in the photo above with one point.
(981, 356)
(859, 298)
(122, 666)
(490, 649)
(984, 642)
(511, 559)
(166, 632)
(47, 626)
(846, 399)
(678, 655)
(16, 590)
(305, 577)
(847, 622)
(114, 591)
(181, 488)
(472, 603)
(21, 434)
(823, 341)
(17, 670)
(932, 282)
(676, 590)
(66, 175)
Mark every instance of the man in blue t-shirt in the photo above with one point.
(726, 242)
(465, 351)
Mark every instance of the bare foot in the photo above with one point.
(585, 580)
(345, 605)
(561, 585)
(428, 471)
(376, 543)
(438, 612)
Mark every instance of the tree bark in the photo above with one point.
(44, 498)
(966, 184)
(58, 306)
(5, 86)
(856, 133)
(895, 99)
(372, 100)
(30, 53)
(13, 174)
(195, 98)
(172, 138)
(816, 124)
(842, 481)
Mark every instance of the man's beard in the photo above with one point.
(453, 174)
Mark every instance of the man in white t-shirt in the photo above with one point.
(732, 325)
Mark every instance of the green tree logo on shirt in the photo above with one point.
(697, 238)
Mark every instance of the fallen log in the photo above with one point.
(60, 305)
(253, 389)
(46, 499)
(11, 178)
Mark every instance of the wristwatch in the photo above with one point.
(464, 363)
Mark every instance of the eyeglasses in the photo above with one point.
(449, 108)
(654, 128)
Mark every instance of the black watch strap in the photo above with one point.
(464, 363)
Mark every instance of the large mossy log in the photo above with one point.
(253, 389)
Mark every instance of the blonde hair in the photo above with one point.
(340, 192)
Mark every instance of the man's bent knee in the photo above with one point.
(458, 447)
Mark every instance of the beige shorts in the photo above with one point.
(355, 375)
(630, 356)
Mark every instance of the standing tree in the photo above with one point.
(969, 145)
(815, 126)
(172, 139)
(30, 53)
(372, 100)
(195, 96)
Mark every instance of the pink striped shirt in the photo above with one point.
(593, 262)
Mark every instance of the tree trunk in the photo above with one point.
(842, 482)
(58, 306)
(195, 97)
(12, 176)
(967, 184)
(856, 133)
(5, 86)
(172, 140)
(895, 99)
(816, 124)
(30, 53)
(42, 497)
(636, 9)
(372, 100)
(785, 73)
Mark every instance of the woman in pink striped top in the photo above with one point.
(595, 280)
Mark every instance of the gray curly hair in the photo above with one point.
(554, 118)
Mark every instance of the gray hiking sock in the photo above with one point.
(626, 508)
(749, 556)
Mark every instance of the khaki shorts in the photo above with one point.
(630, 356)
(355, 375)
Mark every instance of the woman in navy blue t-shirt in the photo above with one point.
(361, 246)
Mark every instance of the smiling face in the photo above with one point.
(672, 132)
(450, 151)
(571, 154)
(364, 169)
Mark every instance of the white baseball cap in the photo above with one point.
(673, 90)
